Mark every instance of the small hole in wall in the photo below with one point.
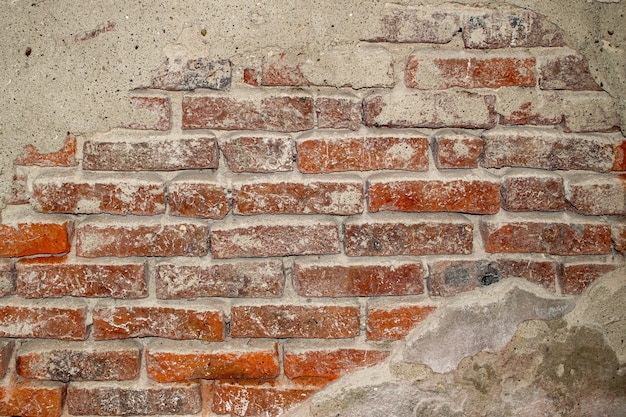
(28, 51)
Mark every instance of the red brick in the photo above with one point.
(526, 106)
(430, 69)
(149, 113)
(395, 323)
(287, 321)
(61, 194)
(258, 153)
(41, 399)
(427, 236)
(577, 277)
(32, 321)
(588, 111)
(262, 279)
(266, 239)
(547, 149)
(338, 112)
(508, 26)
(121, 399)
(121, 322)
(151, 155)
(251, 77)
(64, 157)
(453, 149)
(283, 69)
(273, 113)
(194, 196)
(400, 152)
(449, 278)
(331, 364)
(79, 362)
(242, 400)
(122, 238)
(552, 236)
(176, 74)
(167, 362)
(465, 196)
(618, 235)
(321, 197)
(528, 192)
(564, 69)
(7, 279)
(357, 280)
(6, 355)
(430, 109)
(19, 190)
(60, 276)
(619, 150)
(543, 273)
(596, 194)
(36, 238)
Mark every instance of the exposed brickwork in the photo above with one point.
(578, 276)
(525, 192)
(338, 112)
(452, 277)
(33, 321)
(329, 365)
(42, 399)
(194, 196)
(7, 280)
(64, 157)
(36, 238)
(394, 323)
(244, 400)
(149, 113)
(258, 153)
(453, 149)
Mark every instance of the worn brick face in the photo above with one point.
(64, 157)
(61, 276)
(149, 113)
(197, 197)
(394, 323)
(286, 321)
(32, 399)
(596, 194)
(618, 235)
(456, 150)
(449, 278)
(563, 69)
(329, 364)
(7, 280)
(37, 238)
(543, 273)
(466, 196)
(242, 400)
(178, 75)
(120, 322)
(258, 153)
(361, 280)
(578, 276)
(533, 193)
(587, 111)
(261, 279)
(401, 152)
(33, 321)
(526, 106)
(6, 355)
(338, 112)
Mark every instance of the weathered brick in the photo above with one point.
(585, 111)
(454, 149)
(449, 278)
(154, 154)
(121, 322)
(546, 149)
(265, 239)
(287, 321)
(619, 150)
(578, 276)
(432, 69)
(461, 195)
(425, 24)
(564, 69)
(618, 235)
(79, 361)
(121, 399)
(341, 197)
(148, 113)
(58, 193)
(312, 279)
(197, 196)
(282, 113)
(107, 236)
(244, 400)
(543, 273)
(528, 106)
(171, 362)
(7, 279)
(338, 112)
(64, 157)
(6, 355)
(251, 77)
(394, 322)
(63, 276)
(23, 234)
(41, 399)
(329, 364)
(258, 153)
(533, 192)
(282, 68)
(432, 109)
(408, 236)
(19, 189)
(402, 151)
(259, 279)
(555, 235)
(508, 26)
(596, 194)
(50, 322)
(177, 74)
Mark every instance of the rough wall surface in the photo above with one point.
(257, 226)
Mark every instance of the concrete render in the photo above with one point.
(69, 65)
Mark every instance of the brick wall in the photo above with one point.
(252, 234)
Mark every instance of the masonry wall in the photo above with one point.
(251, 234)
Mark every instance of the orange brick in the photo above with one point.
(65, 157)
(329, 365)
(118, 322)
(191, 197)
(27, 239)
(43, 322)
(286, 321)
(241, 400)
(394, 323)
(42, 399)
